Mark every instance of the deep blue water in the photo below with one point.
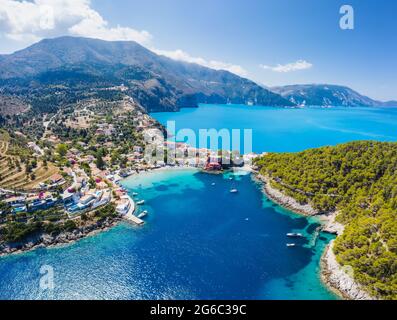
(199, 242)
(286, 129)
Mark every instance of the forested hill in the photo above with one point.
(359, 179)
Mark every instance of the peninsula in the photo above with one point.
(358, 198)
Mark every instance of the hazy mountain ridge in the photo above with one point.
(327, 95)
(73, 66)
(390, 103)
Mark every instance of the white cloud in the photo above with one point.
(26, 22)
(293, 66)
(180, 55)
(29, 22)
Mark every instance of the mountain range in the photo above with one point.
(58, 71)
(72, 65)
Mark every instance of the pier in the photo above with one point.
(130, 214)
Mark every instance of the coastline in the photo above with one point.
(332, 273)
(48, 241)
(283, 200)
(338, 279)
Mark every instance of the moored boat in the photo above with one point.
(142, 214)
(294, 235)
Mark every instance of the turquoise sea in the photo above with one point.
(287, 129)
(200, 241)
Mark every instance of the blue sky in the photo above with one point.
(302, 36)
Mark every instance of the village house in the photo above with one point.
(214, 162)
(53, 139)
(213, 166)
(138, 149)
(15, 201)
(41, 201)
(101, 185)
(105, 129)
(88, 159)
(56, 179)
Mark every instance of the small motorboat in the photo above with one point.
(233, 191)
(140, 202)
(212, 184)
(294, 235)
(291, 245)
(143, 214)
(135, 194)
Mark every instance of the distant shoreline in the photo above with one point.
(332, 274)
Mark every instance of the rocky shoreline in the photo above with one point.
(284, 200)
(339, 279)
(332, 274)
(48, 241)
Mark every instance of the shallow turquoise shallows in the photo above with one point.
(287, 129)
(200, 241)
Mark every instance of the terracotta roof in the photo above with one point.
(56, 177)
